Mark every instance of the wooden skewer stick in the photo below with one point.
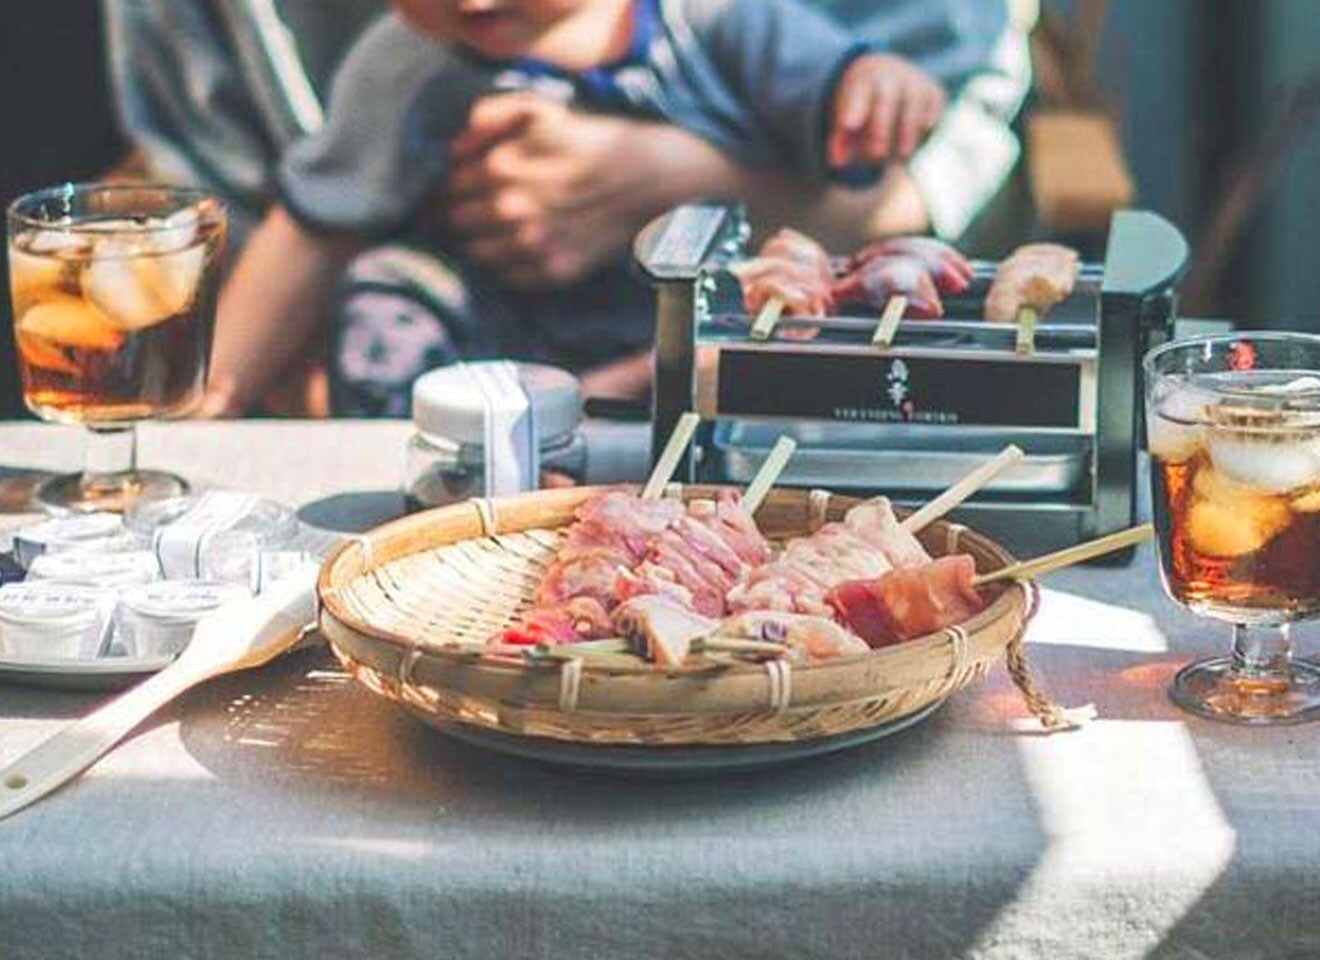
(1026, 330)
(669, 457)
(575, 651)
(963, 489)
(770, 470)
(737, 645)
(765, 322)
(1027, 569)
(887, 328)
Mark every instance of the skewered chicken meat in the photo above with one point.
(909, 602)
(663, 630)
(866, 544)
(798, 286)
(799, 248)
(950, 270)
(876, 281)
(1034, 277)
(622, 546)
(794, 270)
(700, 557)
(612, 531)
(810, 638)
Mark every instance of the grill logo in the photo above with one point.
(897, 389)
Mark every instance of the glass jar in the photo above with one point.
(492, 429)
(213, 535)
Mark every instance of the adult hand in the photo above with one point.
(547, 194)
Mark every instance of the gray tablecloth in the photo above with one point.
(291, 813)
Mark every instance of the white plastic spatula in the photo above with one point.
(240, 635)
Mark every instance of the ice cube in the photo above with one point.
(65, 243)
(31, 276)
(175, 232)
(1174, 432)
(1228, 519)
(1299, 385)
(70, 322)
(138, 291)
(1270, 463)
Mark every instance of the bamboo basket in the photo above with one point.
(406, 607)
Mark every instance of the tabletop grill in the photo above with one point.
(909, 419)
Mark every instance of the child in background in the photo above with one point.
(770, 83)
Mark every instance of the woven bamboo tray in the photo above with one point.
(403, 607)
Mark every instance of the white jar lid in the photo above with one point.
(448, 403)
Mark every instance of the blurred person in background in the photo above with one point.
(546, 196)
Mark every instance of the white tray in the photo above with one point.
(103, 673)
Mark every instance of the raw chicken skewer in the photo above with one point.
(611, 531)
(1028, 285)
(623, 546)
(906, 275)
(915, 601)
(951, 272)
(791, 274)
(785, 602)
(867, 543)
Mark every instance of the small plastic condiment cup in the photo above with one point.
(97, 569)
(91, 531)
(158, 619)
(43, 620)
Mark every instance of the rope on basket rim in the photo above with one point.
(570, 684)
(485, 515)
(367, 550)
(958, 662)
(1052, 717)
(780, 674)
(818, 509)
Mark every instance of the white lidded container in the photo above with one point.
(158, 619)
(215, 535)
(96, 532)
(112, 570)
(492, 429)
(44, 620)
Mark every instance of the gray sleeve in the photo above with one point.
(783, 60)
(182, 101)
(395, 104)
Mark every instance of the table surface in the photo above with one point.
(290, 812)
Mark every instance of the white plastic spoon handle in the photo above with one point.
(274, 622)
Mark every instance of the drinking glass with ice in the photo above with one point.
(1234, 435)
(114, 290)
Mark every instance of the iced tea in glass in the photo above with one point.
(1234, 433)
(114, 292)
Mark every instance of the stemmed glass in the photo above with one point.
(114, 291)
(1234, 428)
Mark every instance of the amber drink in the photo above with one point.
(1234, 436)
(114, 292)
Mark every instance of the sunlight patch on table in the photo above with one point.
(1069, 620)
(1134, 838)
